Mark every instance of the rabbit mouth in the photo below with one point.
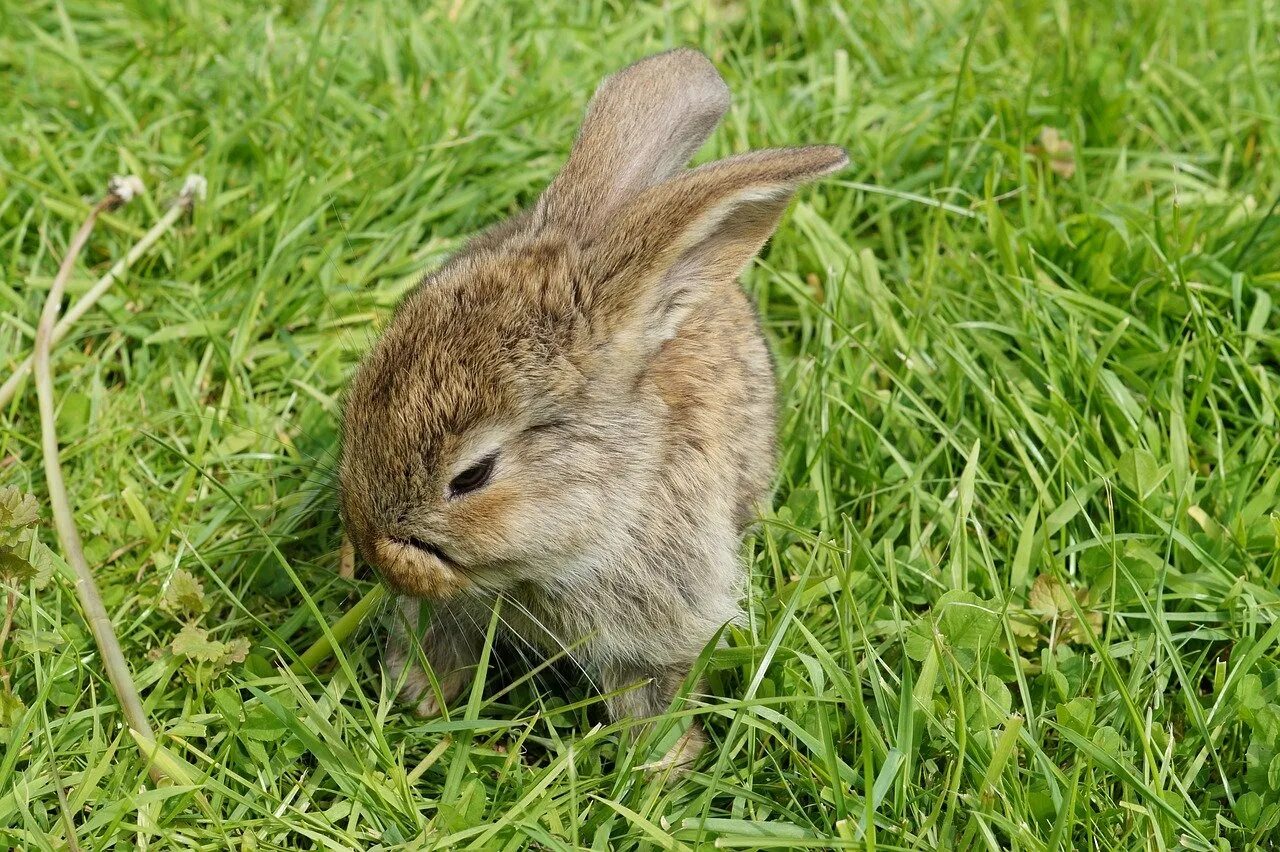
(419, 569)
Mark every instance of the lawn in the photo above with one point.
(1019, 585)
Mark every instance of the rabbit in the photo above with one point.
(575, 414)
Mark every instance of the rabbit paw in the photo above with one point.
(679, 759)
(451, 656)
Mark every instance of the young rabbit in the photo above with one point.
(575, 414)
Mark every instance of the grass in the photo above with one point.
(1020, 587)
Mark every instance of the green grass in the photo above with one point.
(1020, 587)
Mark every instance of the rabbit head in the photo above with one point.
(499, 431)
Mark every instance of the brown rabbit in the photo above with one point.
(575, 414)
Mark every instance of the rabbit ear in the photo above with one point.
(643, 125)
(660, 255)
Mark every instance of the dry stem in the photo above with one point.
(104, 634)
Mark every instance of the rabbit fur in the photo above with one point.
(594, 364)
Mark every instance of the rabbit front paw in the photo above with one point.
(451, 657)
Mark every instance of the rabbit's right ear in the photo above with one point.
(642, 126)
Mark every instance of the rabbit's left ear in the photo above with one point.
(642, 126)
(658, 257)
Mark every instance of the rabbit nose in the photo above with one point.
(428, 548)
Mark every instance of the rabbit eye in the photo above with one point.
(473, 477)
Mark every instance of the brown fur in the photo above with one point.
(600, 346)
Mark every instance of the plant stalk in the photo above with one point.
(342, 628)
(10, 607)
(119, 192)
